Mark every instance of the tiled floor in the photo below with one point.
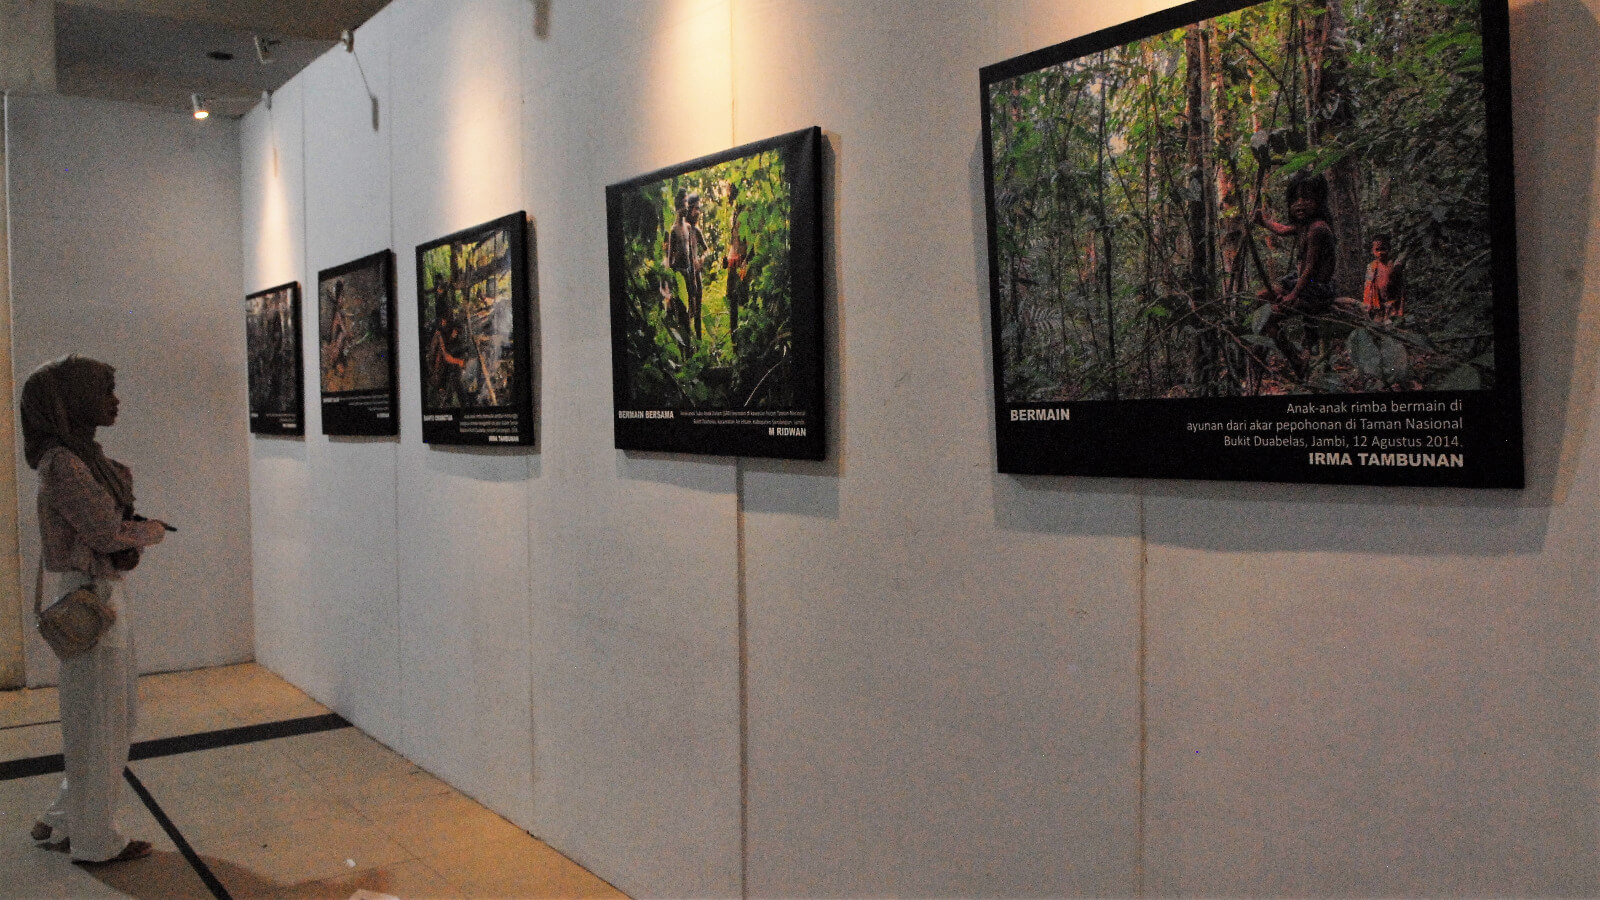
(328, 814)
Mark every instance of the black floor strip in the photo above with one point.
(228, 737)
(188, 743)
(213, 884)
(30, 724)
(33, 765)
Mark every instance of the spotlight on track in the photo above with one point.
(264, 48)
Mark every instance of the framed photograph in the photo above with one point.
(272, 346)
(1259, 240)
(716, 315)
(355, 339)
(472, 314)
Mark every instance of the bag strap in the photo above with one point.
(38, 586)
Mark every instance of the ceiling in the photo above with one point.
(159, 52)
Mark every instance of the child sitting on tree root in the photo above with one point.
(1309, 291)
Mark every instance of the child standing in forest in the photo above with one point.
(1384, 292)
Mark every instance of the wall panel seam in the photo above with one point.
(13, 661)
(399, 709)
(741, 586)
(743, 626)
(536, 361)
(1140, 669)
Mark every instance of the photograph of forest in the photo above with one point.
(707, 305)
(466, 316)
(272, 341)
(1287, 198)
(353, 327)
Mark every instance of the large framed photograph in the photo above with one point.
(716, 317)
(272, 348)
(472, 314)
(355, 329)
(1259, 240)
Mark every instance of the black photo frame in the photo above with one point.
(272, 348)
(1144, 324)
(692, 247)
(355, 343)
(474, 336)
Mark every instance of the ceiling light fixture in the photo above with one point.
(202, 103)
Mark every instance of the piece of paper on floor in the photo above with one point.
(365, 894)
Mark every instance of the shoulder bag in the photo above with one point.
(73, 624)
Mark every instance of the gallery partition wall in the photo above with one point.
(124, 229)
(896, 670)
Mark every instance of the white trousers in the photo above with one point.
(99, 704)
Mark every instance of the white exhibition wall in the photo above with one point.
(124, 229)
(896, 672)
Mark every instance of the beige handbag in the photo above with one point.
(73, 624)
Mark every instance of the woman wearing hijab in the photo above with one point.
(88, 533)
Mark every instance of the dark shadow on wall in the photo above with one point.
(1555, 97)
(685, 470)
(279, 446)
(535, 338)
(1555, 87)
(479, 463)
(541, 19)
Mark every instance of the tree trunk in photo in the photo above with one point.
(1292, 39)
(1230, 222)
(1157, 273)
(1330, 102)
(1197, 211)
(1105, 239)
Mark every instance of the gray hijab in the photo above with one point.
(60, 401)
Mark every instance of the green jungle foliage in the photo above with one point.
(671, 365)
(466, 315)
(1126, 182)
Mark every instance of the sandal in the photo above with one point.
(42, 833)
(134, 850)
